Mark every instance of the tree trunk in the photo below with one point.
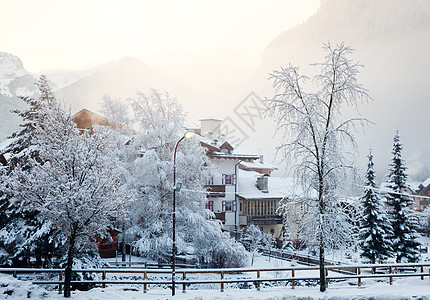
(123, 250)
(322, 270)
(68, 272)
(321, 237)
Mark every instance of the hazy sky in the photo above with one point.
(169, 34)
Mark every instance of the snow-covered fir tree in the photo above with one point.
(375, 228)
(77, 187)
(22, 147)
(22, 232)
(403, 221)
(161, 121)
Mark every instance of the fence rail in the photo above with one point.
(362, 271)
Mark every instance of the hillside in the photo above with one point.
(15, 81)
(391, 39)
(120, 79)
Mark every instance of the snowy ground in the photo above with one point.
(352, 256)
(11, 288)
(410, 288)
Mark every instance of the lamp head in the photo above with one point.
(189, 134)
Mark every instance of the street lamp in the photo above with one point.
(187, 135)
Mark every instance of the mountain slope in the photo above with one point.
(392, 41)
(15, 81)
(119, 79)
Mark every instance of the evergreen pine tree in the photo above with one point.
(22, 232)
(375, 229)
(403, 222)
(21, 148)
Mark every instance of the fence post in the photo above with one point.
(422, 271)
(293, 283)
(145, 277)
(391, 277)
(358, 273)
(104, 278)
(258, 282)
(326, 275)
(60, 278)
(184, 285)
(222, 283)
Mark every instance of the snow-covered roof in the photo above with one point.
(237, 152)
(4, 144)
(210, 118)
(90, 110)
(426, 182)
(258, 165)
(279, 187)
(414, 185)
(384, 187)
(235, 155)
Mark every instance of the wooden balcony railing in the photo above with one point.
(216, 190)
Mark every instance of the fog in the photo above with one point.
(212, 55)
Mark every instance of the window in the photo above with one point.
(210, 205)
(227, 205)
(229, 179)
(86, 130)
(226, 179)
(210, 181)
(234, 208)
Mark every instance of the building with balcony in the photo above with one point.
(243, 191)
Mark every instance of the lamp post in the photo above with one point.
(187, 135)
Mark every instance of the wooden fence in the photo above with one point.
(364, 271)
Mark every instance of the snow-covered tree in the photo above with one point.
(255, 239)
(315, 138)
(287, 243)
(161, 120)
(375, 228)
(426, 221)
(117, 114)
(22, 147)
(77, 186)
(22, 232)
(403, 221)
(121, 140)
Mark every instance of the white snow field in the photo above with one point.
(402, 288)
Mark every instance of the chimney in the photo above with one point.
(263, 183)
(210, 126)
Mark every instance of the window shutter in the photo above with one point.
(223, 206)
(234, 179)
(234, 205)
(223, 179)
